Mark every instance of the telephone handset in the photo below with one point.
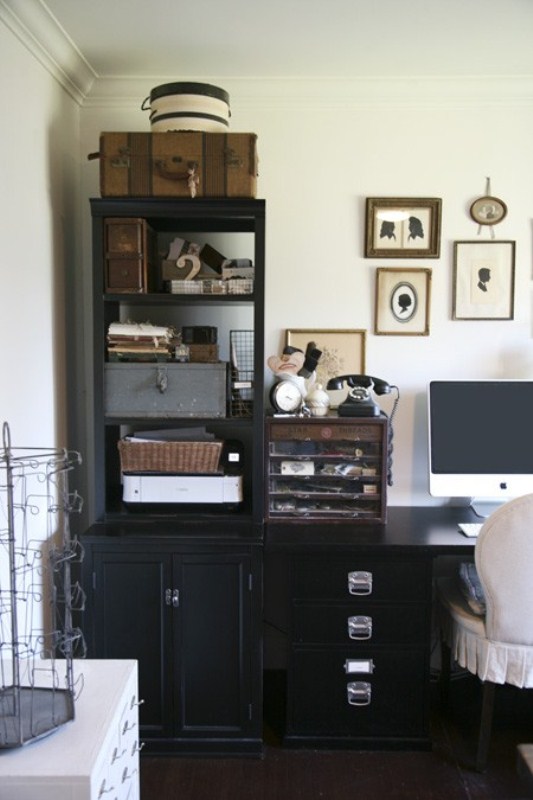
(359, 402)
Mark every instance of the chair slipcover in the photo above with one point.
(498, 647)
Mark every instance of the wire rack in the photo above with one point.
(242, 373)
(38, 596)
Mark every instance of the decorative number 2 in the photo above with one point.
(190, 261)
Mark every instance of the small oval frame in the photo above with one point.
(488, 210)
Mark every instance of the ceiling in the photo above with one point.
(299, 38)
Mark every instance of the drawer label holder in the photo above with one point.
(359, 665)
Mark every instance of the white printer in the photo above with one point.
(140, 488)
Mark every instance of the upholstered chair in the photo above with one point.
(486, 613)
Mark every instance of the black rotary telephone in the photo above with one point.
(360, 403)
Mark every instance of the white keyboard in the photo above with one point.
(470, 529)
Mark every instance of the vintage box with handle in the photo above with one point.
(177, 164)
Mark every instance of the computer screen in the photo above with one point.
(480, 439)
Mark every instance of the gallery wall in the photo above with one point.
(324, 147)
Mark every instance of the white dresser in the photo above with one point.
(94, 757)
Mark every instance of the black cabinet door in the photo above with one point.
(191, 619)
(212, 645)
(132, 619)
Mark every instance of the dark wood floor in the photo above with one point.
(442, 774)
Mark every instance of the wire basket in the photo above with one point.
(170, 457)
(242, 373)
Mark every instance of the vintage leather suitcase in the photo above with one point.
(178, 164)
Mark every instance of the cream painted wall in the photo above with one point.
(39, 198)
(39, 201)
(320, 156)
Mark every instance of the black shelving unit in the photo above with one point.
(180, 587)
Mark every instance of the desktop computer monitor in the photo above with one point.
(480, 440)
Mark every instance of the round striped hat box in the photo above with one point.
(188, 107)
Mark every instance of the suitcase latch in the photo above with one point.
(162, 380)
(231, 158)
(123, 158)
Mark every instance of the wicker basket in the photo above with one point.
(196, 457)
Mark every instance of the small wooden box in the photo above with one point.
(130, 256)
(203, 353)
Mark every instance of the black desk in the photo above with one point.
(429, 530)
(356, 602)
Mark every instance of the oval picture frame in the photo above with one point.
(488, 210)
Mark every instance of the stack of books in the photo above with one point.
(132, 341)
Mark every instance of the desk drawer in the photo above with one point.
(368, 579)
(319, 694)
(316, 623)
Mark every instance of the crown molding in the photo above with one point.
(462, 91)
(39, 31)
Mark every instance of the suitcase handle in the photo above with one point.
(191, 176)
(174, 176)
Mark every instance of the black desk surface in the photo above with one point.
(428, 530)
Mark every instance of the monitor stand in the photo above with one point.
(483, 507)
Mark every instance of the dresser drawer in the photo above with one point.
(342, 623)
(325, 700)
(363, 577)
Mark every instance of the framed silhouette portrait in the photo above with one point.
(402, 301)
(403, 227)
(483, 280)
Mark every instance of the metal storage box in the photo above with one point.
(165, 390)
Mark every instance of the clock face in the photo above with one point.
(286, 397)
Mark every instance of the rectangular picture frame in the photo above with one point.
(483, 280)
(402, 301)
(403, 227)
(343, 353)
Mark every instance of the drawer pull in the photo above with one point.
(359, 693)
(361, 665)
(360, 627)
(360, 583)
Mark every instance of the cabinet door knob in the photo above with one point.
(172, 597)
(359, 693)
(360, 627)
(360, 582)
